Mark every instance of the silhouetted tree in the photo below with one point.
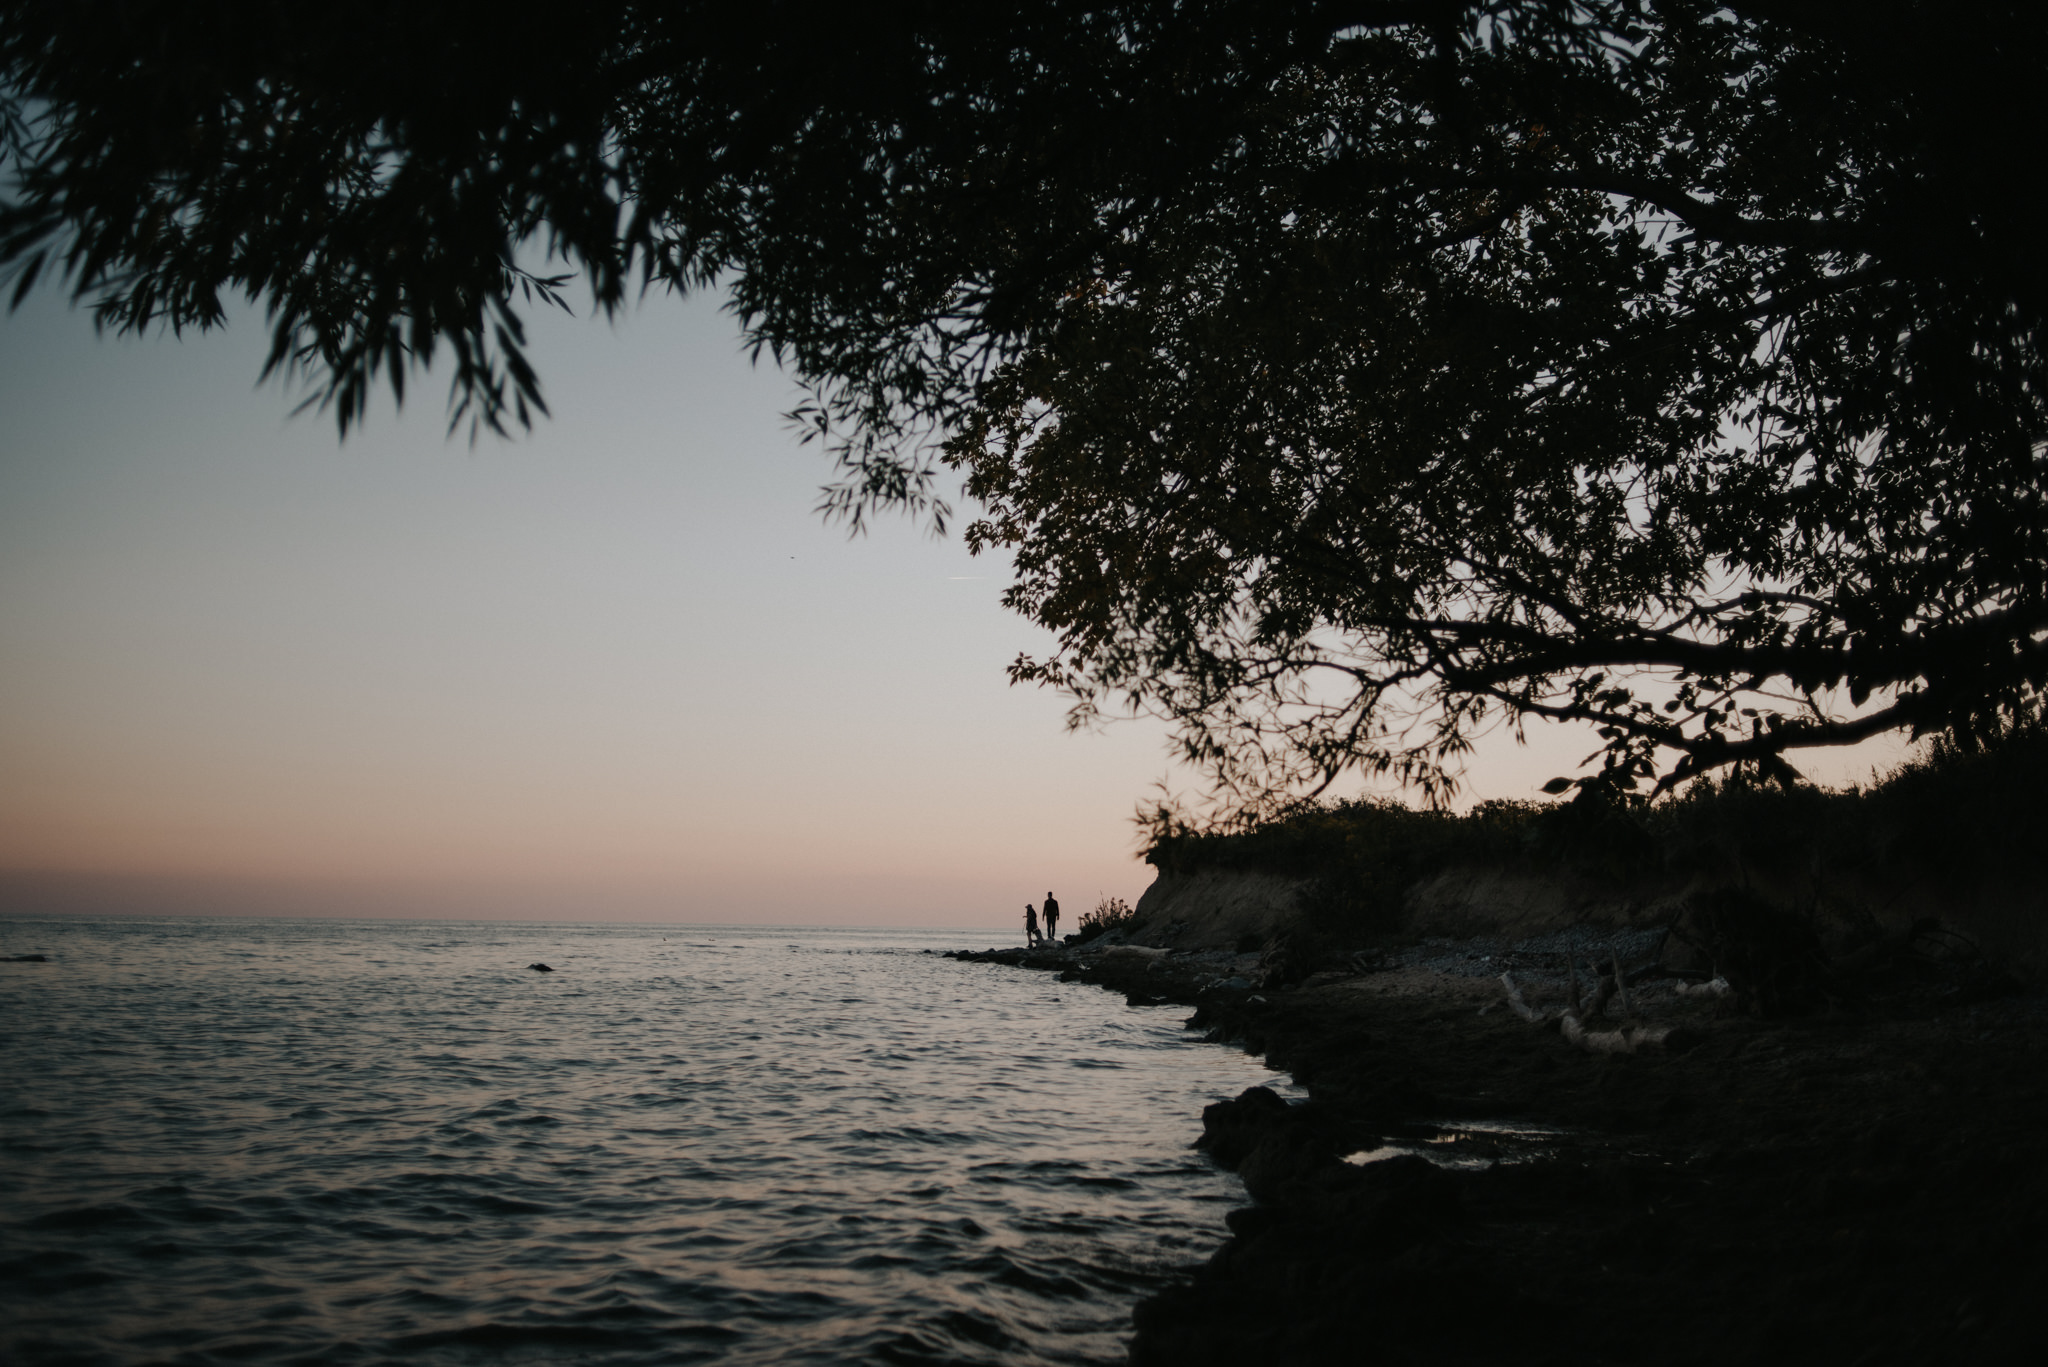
(1343, 377)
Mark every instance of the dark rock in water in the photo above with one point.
(540, 968)
(1231, 1129)
(26, 959)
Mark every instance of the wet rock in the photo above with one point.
(1286, 1164)
(1231, 1129)
(1402, 1096)
(1332, 1256)
(540, 968)
(26, 959)
(1249, 1222)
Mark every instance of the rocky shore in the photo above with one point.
(1863, 1181)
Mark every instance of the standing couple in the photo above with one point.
(1052, 923)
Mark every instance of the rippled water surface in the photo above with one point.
(310, 1142)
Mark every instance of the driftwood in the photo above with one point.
(1627, 1038)
(1603, 991)
(1519, 1004)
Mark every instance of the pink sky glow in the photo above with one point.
(615, 670)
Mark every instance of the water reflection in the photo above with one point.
(345, 1142)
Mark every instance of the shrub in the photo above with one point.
(1111, 913)
(1967, 808)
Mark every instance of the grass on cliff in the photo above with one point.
(1970, 813)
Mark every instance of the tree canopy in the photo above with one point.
(1343, 378)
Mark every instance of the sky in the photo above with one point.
(616, 669)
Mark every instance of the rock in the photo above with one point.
(26, 959)
(1232, 1129)
(540, 968)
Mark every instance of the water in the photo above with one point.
(337, 1142)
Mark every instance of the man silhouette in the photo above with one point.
(1052, 919)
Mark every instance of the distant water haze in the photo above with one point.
(618, 668)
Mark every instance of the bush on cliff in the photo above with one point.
(1960, 811)
(1111, 913)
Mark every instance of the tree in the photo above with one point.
(1343, 378)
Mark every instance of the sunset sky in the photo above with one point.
(618, 669)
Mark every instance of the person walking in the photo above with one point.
(1052, 919)
(1030, 925)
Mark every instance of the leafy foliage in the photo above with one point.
(1961, 815)
(1360, 858)
(1111, 913)
(1343, 379)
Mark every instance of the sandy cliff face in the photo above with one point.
(1466, 901)
(1223, 908)
(1215, 908)
(1219, 908)
(2004, 919)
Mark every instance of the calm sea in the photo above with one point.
(247, 1141)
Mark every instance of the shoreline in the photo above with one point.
(1868, 1183)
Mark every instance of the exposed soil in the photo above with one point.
(1866, 1182)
